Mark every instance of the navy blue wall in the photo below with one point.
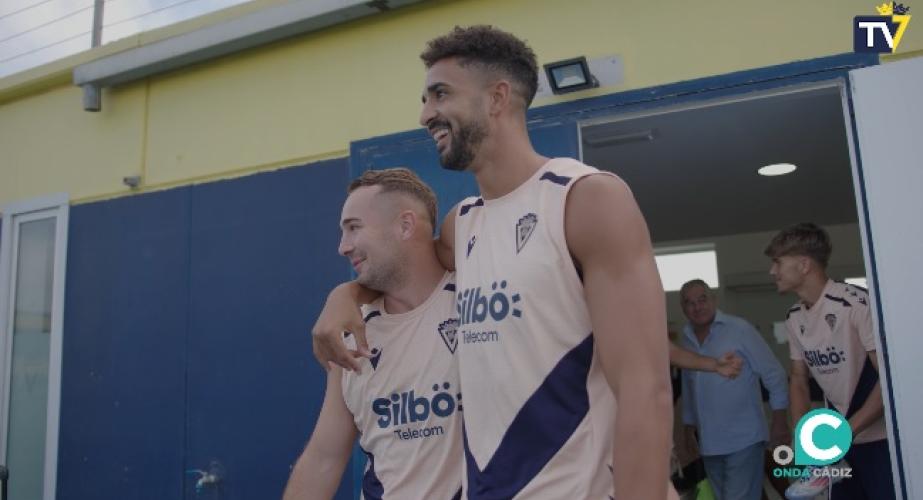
(263, 257)
(186, 335)
(122, 384)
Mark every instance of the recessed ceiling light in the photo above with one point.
(777, 169)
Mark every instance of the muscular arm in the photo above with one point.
(341, 313)
(609, 239)
(872, 409)
(318, 470)
(445, 243)
(799, 394)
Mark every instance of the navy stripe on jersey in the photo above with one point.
(857, 287)
(449, 287)
(465, 208)
(792, 311)
(372, 488)
(371, 315)
(543, 425)
(557, 179)
(838, 299)
(867, 380)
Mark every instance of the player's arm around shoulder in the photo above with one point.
(317, 472)
(445, 242)
(341, 310)
(608, 237)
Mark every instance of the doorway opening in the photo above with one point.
(693, 169)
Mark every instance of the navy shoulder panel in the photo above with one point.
(557, 179)
(465, 208)
(838, 299)
(850, 285)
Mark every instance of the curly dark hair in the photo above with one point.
(806, 239)
(494, 49)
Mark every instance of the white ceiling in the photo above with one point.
(697, 177)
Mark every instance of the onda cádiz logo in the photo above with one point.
(822, 437)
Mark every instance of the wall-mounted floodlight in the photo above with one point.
(570, 75)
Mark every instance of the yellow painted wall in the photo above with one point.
(48, 144)
(308, 98)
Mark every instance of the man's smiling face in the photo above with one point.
(453, 112)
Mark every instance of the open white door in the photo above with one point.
(888, 107)
(33, 255)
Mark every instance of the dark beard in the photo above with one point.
(464, 147)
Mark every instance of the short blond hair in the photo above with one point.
(399, 180)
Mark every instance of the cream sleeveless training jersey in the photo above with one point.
(538, 413)
(407, 400)
(833, 338)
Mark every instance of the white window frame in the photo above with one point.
(57, 206)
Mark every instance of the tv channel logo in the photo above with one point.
(881, 33)
(822, 437)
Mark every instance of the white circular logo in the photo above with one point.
(783, 454)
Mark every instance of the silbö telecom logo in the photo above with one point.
(822, 437)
